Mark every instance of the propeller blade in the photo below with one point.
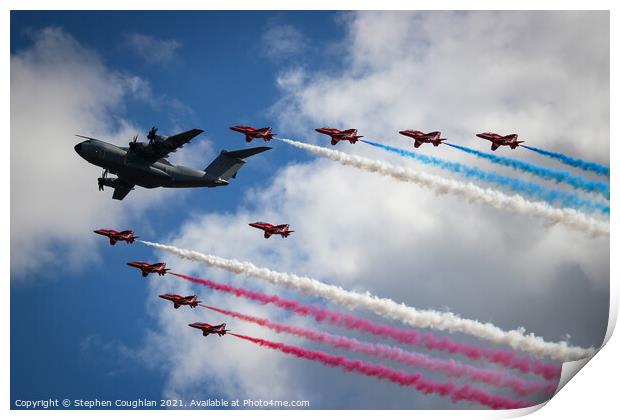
(133, 143)
(152, 133)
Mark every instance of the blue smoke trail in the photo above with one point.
(575, 181)
(534, 190)
(597, 168)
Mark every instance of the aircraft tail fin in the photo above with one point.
(226, 165)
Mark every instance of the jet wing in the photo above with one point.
(121, 190)
(161, 148)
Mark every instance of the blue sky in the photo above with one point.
(223, 75)
(84, 325)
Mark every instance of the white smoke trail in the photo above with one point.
(516, 203)
(517, 339)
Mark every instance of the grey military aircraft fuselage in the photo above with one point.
(141, 172)
(144, 164)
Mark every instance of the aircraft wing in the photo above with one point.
(161, 148)
(177, 141)
(121, 190)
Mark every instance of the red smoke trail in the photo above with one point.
(455, 392)
(505, 358)
(452, 367)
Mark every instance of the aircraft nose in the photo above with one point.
(77, 148)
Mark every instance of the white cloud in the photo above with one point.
(58, 89)
(457, 72)
(151, 49)
(544, 75)
(365, 234)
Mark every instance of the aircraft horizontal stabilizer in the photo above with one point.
(226, 165)
(245, 153)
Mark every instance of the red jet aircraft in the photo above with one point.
(349, 135)
(252, 133)
(421, 137)
(499, 140)
(178, 300)
(210, 329)
(115, 236)
(270, 229)
(147, 268)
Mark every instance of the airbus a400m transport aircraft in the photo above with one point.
(144, 164)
